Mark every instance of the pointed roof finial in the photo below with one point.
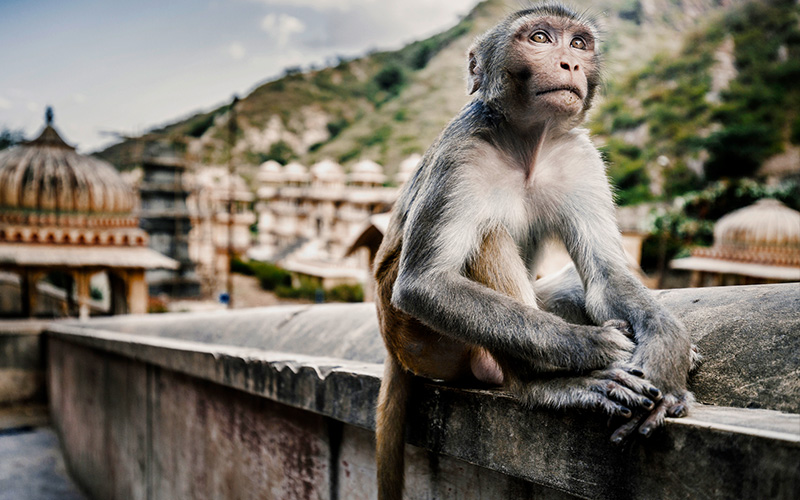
(48, 115)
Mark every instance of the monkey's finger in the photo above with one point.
(626, 429)
(611, 407)
(622, 394)
(637, 384)
(681, 406)
(622, 374)
(656, 417)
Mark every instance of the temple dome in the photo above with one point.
(367, 172)
(327, 172)
(47, 175)
(767, 232)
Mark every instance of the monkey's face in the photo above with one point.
(551, 68)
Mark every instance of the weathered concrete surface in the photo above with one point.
(32, 467)
(191, 439)
(717, 452)
(21, 362)
(749, 336)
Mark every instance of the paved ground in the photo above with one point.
(32, 466)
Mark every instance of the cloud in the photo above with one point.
(237, 51)
(5, 103)
(343, 5)
(282, 27)
(79, 98)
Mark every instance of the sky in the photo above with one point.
(122, 67)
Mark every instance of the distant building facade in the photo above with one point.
(66, 220)
(165, 217)
(753, 245)
(211, 192)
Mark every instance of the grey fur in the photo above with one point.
(513, 166)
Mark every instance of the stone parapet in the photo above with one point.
(279, 403)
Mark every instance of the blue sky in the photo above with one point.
(125, 67)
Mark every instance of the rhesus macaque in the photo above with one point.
(456, 270)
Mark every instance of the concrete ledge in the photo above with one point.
(21, 362)
(719, 452)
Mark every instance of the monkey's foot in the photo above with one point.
(671, 405)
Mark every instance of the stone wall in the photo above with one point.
(22, 368)
(279, 403)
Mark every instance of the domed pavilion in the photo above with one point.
(69, 214)
(755, 244)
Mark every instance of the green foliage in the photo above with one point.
(345, 293)
(308, 290)
(626, 170)
(350, 154)
(379, 136)
(391, 79)
(691, 220)
(625, 120)
(738, 149)
(679, 180)
(238, 266)
(631, 10)
(279, 151)
(198, 125)
(269, 275)
(10, 138)
(95, 293)
(761, 104)
(336, 126)
(795, 133)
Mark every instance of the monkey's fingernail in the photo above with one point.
(647, 403)
(637, 372)
(655, 392)
(645, 431)
(625, 412)
(679, 411)
(616, 439)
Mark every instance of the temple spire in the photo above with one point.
(48, 116)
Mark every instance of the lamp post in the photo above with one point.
(232, 142)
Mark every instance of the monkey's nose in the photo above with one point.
(565, 65)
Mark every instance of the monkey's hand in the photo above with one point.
(616, 391)
(666, 355)
(601, 346)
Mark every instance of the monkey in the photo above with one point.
(457, 295)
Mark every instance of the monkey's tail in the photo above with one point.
(390, 429)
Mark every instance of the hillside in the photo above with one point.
(662, 118)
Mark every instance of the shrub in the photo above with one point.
(346, 293)
(270, 276)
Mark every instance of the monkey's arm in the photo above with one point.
(431, 286)
(663, 349)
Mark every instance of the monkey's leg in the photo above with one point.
(562, 294)
(616, 390)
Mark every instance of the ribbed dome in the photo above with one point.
(367, 172)
(767, 232)
(47, 175)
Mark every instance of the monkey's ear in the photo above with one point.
(475, 77)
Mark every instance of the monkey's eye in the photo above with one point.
(578, 43)
(540, 37)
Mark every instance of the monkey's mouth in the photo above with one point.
(568, 88)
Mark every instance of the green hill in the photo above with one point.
(694, 88)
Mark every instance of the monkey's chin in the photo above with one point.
(562, 102)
